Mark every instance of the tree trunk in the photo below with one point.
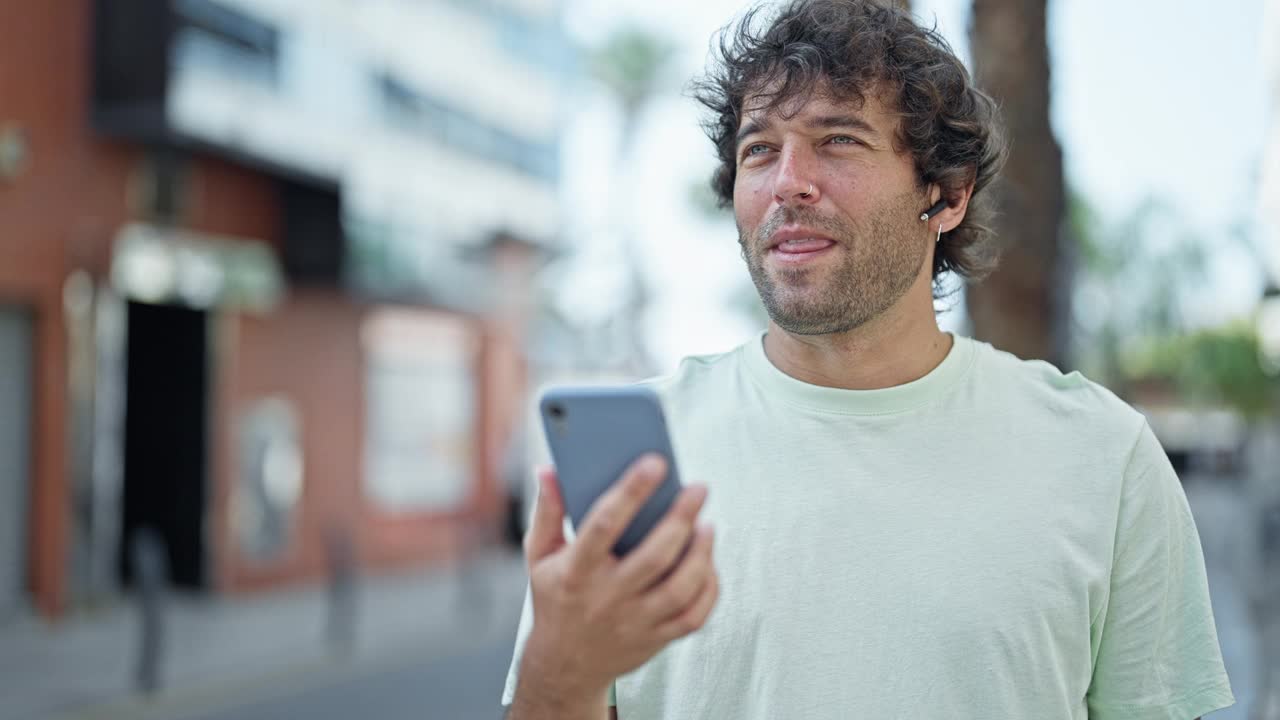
(1023, 307)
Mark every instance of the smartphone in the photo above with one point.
(594, 434)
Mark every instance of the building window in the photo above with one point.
(420, 410)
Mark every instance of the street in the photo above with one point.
(417, 687)
(1228, 535)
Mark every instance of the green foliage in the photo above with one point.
(632, 63)
(1134, 279)
(1142, 265)
(1212, 366)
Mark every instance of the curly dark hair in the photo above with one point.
(848, 49)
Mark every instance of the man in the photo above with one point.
(907, 524)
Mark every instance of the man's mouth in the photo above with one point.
(802, 246)
(794, 243)
(797, 244)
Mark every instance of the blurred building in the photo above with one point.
(264, 271)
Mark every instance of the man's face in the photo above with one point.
(828, 214)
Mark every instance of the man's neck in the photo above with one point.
(885, 352)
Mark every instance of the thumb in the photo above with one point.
(546, 532)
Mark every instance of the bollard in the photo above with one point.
(341, 626)
(150, 575)
(473, 595)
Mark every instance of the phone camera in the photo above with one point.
(556, 412)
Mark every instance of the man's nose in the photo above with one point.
(794, 183)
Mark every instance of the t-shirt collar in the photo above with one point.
(880, 401)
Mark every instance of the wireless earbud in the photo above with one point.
(937, 208)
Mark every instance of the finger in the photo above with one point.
(665, 544)
(546, 532)
(610, 515)
(695, 616)
(681, 588)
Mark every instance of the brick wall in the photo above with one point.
(56, 216)
(309, 351)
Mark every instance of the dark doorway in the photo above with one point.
(16, 352)
(166, 437)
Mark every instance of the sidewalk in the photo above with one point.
(1227, 522)
(86, 666)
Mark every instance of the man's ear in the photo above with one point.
(957, 205)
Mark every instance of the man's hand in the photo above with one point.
(597, 616)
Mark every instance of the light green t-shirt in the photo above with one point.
(995, 540)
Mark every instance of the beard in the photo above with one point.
(873, 264)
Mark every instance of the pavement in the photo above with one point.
(220, 650)
(420, 686)
(1241, 592)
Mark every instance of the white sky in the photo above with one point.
(1148, 98)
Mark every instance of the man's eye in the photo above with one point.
(843, 140)
(756, 149)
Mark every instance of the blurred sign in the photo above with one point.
(156, 264)
(421, 419)
(271, 479)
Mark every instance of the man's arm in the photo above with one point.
(1159, 597)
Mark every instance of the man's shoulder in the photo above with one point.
(1040, 386)
(696, 373)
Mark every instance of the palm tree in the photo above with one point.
(632, 64)
(1023, 307)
